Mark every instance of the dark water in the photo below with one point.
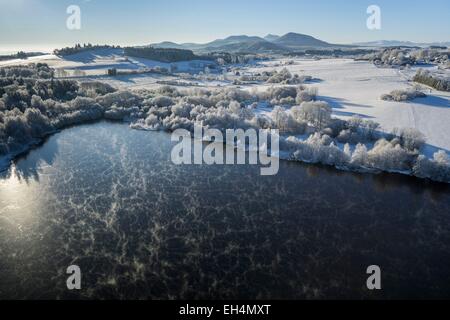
(108, 199)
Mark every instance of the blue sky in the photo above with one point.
(37, 23)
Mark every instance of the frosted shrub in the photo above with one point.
(280, 119)
(437, 169)
(347, 136)
(303, 96)
(220, 118)
(182, 110)
(77, 117)
(246, 113)
(403, 95)
(316, 113)
(37, 103)
(151, 123)
(358, 130)
(297, 113)
(336, 156)
(95, 88)
(115, 113)
(283, 77)
(441, 157)
(151, 120)
(238, 95)
(354, 123)
(16, 127)
(306, 95)
(335, 127)
(80, 103)
(38, 123)
(199, 100)
(120, 98)
(167, 91)
(197, 110)
(173, 123)
(410, 138)
(348, 151)
(162, 101)
(263, 122)
(286, 123)
(279, 77)
(391, 57)
(360, 156)
(389, 156)
(234, 107)
(218, 98)
(369, 129)
(316, 149)
(118, 113)
(433, 80)
(160, 112)
(278, 93)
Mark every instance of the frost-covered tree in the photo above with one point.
(389, 156)
(437, 168)
(360, 156)
(317, 113)
(410, 138)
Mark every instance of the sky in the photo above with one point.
(39, 24)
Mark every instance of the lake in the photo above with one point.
(108, 199)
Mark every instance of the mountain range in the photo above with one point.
(252, 44)
(279, 44)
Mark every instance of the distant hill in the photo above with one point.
(296, 41)
(396, 43)
(243, 44)
(249, 47)
(271, 37)
(233, 40)
(169, 45)
(240, 43)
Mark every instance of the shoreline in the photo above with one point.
(6, 160)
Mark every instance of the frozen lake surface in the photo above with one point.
(108, 199)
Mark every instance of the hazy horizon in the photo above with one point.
(48, 48)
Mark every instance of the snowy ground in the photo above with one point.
(97, 62)
(350, 87)
(354, 88)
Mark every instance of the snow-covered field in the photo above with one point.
(96, 62)
(354, 88)
(350, 87)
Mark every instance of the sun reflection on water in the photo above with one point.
(18, 203)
